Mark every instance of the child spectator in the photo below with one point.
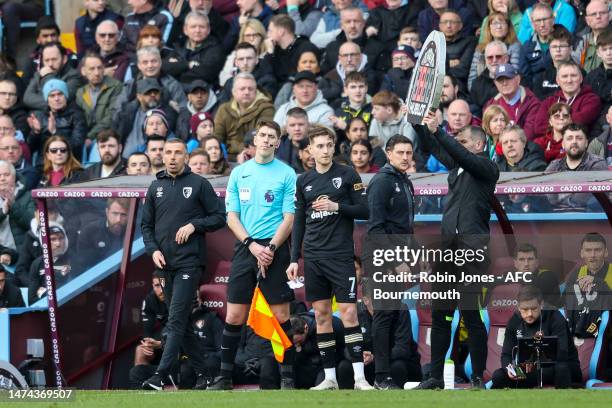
(388, 119)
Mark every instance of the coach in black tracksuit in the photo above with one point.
(465, 225)
(180, 207)
(391, 203)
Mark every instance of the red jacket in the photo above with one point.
(586, 108)
(526, 113)
(552, 149)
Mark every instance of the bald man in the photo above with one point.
(115, 59)
(458, 116)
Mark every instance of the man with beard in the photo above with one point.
(155, 152)
(575, 143)
(111, 164)
(104, 237)
(450, 92)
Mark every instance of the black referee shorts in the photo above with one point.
(244, 271)
(329, 277)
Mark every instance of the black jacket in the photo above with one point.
(19, 115)
(552, 323)
(10, 295)
(69, 122)
(95, 171)
(533, 160)
(96, 242)
(284, 61)
(309, 349)
(600, 80)
(172, 203)
(208, 327)
(461, 48)
(397, 81)
(153, 310)
(218, 25)
(61, 264)
(266, 82)
(28, 251)
(403, 346)
(378, 58)
(544, 83)
(124, 120)
(483, 89)
(391, 202)
(207, 61)
(389, 23)
(471, 183)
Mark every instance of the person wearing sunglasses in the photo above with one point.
(85, 26)
(60, 166)
(559, 116)
(116, 60)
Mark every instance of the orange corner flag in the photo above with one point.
(264, 324)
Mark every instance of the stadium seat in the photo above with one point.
(214, 297)
(422, 319)
(590, 355)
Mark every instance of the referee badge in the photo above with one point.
(337, 182)
(187, 192)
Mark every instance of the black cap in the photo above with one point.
(54, 229)
(249, 137)
(304, 75)
(304, 143)
(147, 84)
(197, 84)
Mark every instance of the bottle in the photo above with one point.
(449, 374)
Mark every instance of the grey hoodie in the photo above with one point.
(399, 126)
(318, 111)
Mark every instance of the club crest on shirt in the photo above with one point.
(337, 182)
(187, 192)
(199, 324)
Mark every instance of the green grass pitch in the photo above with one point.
(340, 399)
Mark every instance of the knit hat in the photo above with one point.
(406, 50)
(155, 112)
(54, 85)
(198, 118)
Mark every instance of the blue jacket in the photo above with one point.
(532, 60)
(564, 15)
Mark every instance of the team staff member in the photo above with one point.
(465, 225)
(180, 207)
(260, 208)
(391, 203)
(328, 200)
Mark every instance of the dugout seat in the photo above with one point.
(421, 318)
(214, 297)
(590, 354)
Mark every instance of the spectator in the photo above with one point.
(102, 238)
(296, 130)
(144, 12)
(236, 117)
(201, 55)
(249, 148)
(329, 24)
(199, 162)
(155, 153)
(307, 96)
(361, 157)
(534, 52)
(201, 125)
(397, 79)
(247, 9)
(459, 116)
(156, 125)
(519, 102)
(62, 265)
(252, 32)
(388, 119)
(597, 17)
(284, 48)
(494, 121)
(518, 153)
(506, 7)
(559, 116)
(58, 118)
(138, 164)
(97, 98)
(350, 60)
(483, 87)
(307, 161)
(305, 16)
(116, 60)
(600, 78)
(111, 163)
(10, 295)
(429, 17)
(7, 128)
(171, 62)
(218, 25)
(60, 167)
(201, 99)
(246, 61)
(357, 129)
(149, 67)
(576, 158)
(585, 103)
(409, 36)
(54, 65)
(450, 92)
(13, 13)
(129, 121)
(498, 29)
(525, 259)
(561, 11)
(601, 146)
(86, 25)
(355, 104)
(17, 207)
(386, 21)
(47, 32)
(218, 163)
(11, 151)
(544, 83)
(353, 29)
(10, 105)
(459, 47)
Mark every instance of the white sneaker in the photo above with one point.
(362, 384)
(326, 384)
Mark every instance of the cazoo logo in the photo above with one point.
(213, 303)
